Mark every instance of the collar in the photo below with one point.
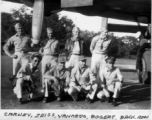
(18, 35)
(31, 67)
(82, 70)
(59, 69)
(111, 70)
(51, 40)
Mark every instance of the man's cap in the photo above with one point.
(36, 55)
(82, 58)
(18, 25)
(61, 60)
(110, 59)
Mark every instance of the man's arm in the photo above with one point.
(92, 44)
(55, 47)
(7, 46)
(119, 75)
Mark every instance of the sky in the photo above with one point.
(82, 21)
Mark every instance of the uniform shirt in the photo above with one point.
(99, 46)
(51, 47)
(83, 76)
(107, 75)
(75, 47)
(61, 75)
(21, 44)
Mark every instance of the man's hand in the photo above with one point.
(14, 56)
(41, 50)
(103, 86)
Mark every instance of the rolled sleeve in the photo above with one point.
(55, 48)
(7, 46)
(92, 44)
(119, 75)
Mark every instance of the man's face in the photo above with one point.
(104, 34)
(19, 30)
(49, 33)
(75, 32)
(61, 65)
(110, 65)
(35, 61)
(82, 63)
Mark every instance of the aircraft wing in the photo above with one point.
(130, 10)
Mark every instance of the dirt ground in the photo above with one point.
(133, 96)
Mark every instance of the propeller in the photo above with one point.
(37, 21)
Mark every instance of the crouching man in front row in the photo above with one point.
(27, 75)
(82, 81)
(56, 79)
(111, 82)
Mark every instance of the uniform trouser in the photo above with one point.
(73, 61)
(47, 61)
(18, 90)
(23, 58)
(74, 90)
(114, 88)
(98, 62)
(58, 88)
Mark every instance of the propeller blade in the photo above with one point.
(38, 11)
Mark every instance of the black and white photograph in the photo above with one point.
(92, 55)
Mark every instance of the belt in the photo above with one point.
(75, 54)
(51, 55)
(22, 51)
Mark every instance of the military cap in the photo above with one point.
(82, 58)
(110, 59)
(61, 60)
(36, 55)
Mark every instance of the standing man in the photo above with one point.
(57, 79)
(22, 44)
(98, 48)
(75, 49)
(27, 75)
(82, 81)
(50, 53)
(111, 81)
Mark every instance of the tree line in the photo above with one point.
(123, 47)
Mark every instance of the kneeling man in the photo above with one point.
(56, 79)
(82, 81)
(111, 81)
(27, 75)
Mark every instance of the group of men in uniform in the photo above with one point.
(73, 76)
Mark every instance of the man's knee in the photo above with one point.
(46, 81)
(95, 87)
(72, 90)
(100, 95)
(118, 84)
(19, 81)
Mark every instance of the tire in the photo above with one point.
(141, 73)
